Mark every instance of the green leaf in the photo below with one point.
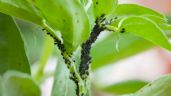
(160, 87)
(69, 17)
(91, 17)
(146, 29)
(63, 86)
(128, 45)
(19, 84)
(125, 10)
(12, 53)
(161, 22)
(125, 87)
(117, 48)
(104, 7)
(133, 9)
(33, 38)
(21, 9)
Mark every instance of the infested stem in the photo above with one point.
(81, 78)
(86, 47)
(74, 75)
(50, 31)
(111, 28)
(85, 52)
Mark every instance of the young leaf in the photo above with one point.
(161, 22)
(19, 84)
(125, 87)
(63, 86)
(104, 7)
(12, 53)
(146, 29)
(133, 9)
(160, 87)
(124, 10)
(69, 17)
(21, 9)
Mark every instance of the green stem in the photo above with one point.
(111, 28)
(73, 69)
(71, 65)
(50, 30)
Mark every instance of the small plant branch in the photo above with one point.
(111, 28)
(86, 47)
(101, 24)
(81, 78)
(74, 75)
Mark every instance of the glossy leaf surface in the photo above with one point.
(104, 7)
(127, 44)
(67, 87)
(12, 53)
(69, 17)
(125, 87)
(33, 38)
(19, 84)
(160, 87)
(133, 9)
(125, 10)
(21, 9)
(146, 29)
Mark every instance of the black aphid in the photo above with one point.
(116, 18)
(48, 33)
(86, 47)
(43, 29)
(123, 30)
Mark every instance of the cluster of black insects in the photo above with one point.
(61, 48)
(122, 30)
(85, 53)
(67, 62)
(99, 26)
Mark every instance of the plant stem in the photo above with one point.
(86, 47)
(74, 75)
(50, 31)
(85, 52)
